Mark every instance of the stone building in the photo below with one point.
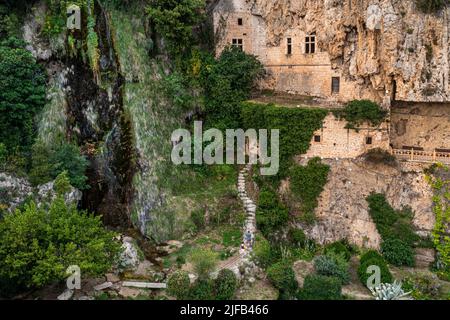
(382, 50)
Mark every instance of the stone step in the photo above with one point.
(145, 285)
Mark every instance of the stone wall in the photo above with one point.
(420, 125)
(338, 142)
(380, 49)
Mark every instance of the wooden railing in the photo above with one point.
(421, 156)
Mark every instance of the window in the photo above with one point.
(310, 43)
(240, 22)
(369, 140)
(317, 138)
(335, 84)
(289, 46)
(238, 43)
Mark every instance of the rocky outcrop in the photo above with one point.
(386, 48)
(14, 191)
(342, 212)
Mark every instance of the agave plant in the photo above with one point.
(390, 291)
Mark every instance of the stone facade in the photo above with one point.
(425, 126)
(334, 140)
(379, 49)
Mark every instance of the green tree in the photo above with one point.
(225, 285)
(22, 94)
(271, 214)
(37, 245)
(282, 277)
(175, 20)
(178, 285)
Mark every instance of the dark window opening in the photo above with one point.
(335, 84)
(289, 46)
(240, 22)
(310, 43)
(317, 138)
(369, 140)
(238, 43)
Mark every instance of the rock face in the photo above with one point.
(343, 210)
(381, 49)
(14, 191)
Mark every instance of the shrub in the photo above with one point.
(225, 285)
(22, 95)
(297, 237)
(204, 262)
(319, 287)
(37, 245)
(431, 6)
(422, 286)
(202, 290)
(357, 112)
(198, 218)
(175, 20)
(282, 277)
(307, 184)
(398, 253)
(271, 215)
(333, 265)
(378, 155)
(339, 248)
(262, 253)
(371, 254)
(386, 276)
(178, 285)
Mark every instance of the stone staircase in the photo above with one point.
(249, 206)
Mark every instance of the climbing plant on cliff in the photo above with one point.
(175, 20)
(296, 127)
(307, 184)
(441, 209)
(357, 112)
(22, 94)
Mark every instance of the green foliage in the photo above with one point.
(203, 289)
(178, 285)
(373, 258)
(22, 95)
(262, 252)
(175, 20)
(271, 215)
(227, 82)
(307, 184)
(438, 179)
(198, 218)
(431, 6)
(357, 112)
(297, 237)
(333, 265)
(232, 237)
(422, 286)
(282, 277)
(296, 125)
(62, 184)
(339, 248)
(225, 285)
(204, 262)
(37, 246)
(47, 164)
(398, 253)
(393, 225)
(319, 287)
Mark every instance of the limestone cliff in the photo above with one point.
(385, 48)
(343, 210)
